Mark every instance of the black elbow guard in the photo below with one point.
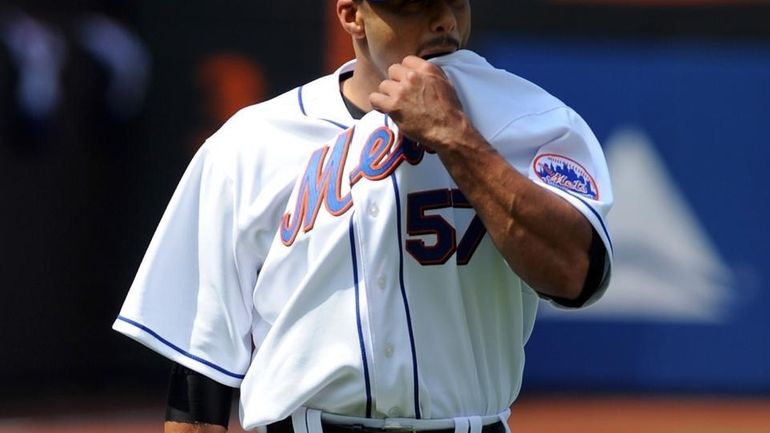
(195, 399)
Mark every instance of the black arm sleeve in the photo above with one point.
(195, 399)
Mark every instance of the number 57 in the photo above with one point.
(418, 224)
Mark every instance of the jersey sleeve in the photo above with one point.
(186, 302)
(573, 166)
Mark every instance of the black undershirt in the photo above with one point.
(355, 111)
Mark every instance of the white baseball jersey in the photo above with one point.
(317, 261)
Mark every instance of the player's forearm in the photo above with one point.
(542, 237)
(179, 427)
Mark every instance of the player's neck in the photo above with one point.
(360, 85)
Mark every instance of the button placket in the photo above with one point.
(388, 331)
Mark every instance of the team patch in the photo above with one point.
(566, 174)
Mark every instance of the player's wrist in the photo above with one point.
(457, 138)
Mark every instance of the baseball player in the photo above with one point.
(366, 252)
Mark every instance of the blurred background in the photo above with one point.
(103, 103)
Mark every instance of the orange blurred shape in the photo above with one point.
(640, 415)
(231, 82)
(339, 47)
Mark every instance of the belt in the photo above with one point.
(285, 426)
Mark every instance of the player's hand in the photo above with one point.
(418, 96)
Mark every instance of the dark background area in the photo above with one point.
(83, 187)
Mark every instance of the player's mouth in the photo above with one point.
(438, 47)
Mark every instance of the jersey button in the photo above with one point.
(381, 282)
(374, 211)
(388, 351)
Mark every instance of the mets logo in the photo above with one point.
(566, 174)
(322, 183)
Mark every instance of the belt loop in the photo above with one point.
(299, 420)
(314, 421)
(504, 415)
(462, 425)
(476, 424)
